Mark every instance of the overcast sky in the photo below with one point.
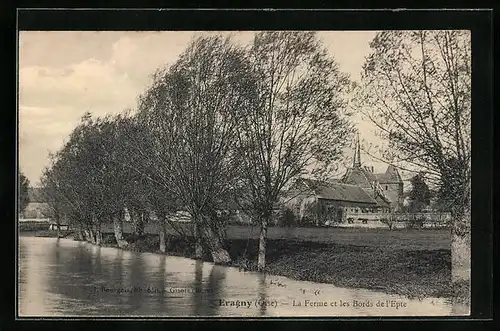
(64, 74)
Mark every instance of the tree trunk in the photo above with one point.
(461, 248)
(461, 257)
(98, 237)
(138, 221)
(118, 230)
(198, 247)
(79, 234)
(163, 235)
(262, 244)
(92, 236)
(214, 243)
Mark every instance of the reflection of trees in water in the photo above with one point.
(96, 261)
(61, 279)
(117, 281)
(198, 288)
(134, 299)
(262, 293)
(206, 298)
(21, 264)
(215, 283)
(160, 287)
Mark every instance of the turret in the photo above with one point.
(357, 154)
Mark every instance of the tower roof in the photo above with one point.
(357, 154)
(391, 175)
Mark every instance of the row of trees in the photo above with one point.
(230, 124)
(222, 124)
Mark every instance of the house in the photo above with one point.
(37, 207)
(333, 202)
(359, 196)
(388, 184)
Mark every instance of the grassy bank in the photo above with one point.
(408, 239)
(408, 262)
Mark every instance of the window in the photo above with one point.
(386, 187)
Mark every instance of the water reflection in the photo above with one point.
(198, 288)
(215, 290)
(262, 295)
(67, 278)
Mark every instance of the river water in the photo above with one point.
(75, 279)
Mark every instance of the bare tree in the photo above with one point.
(190, 112)
(416, 89)
(296, 122)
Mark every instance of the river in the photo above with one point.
(76, 279)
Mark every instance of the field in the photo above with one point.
(409, 239)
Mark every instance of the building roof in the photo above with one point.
(363, 177)
(391, 175)
(35, 194)
(339, 191)
(382, 200)
(358, 176)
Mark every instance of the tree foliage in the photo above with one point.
(296, 120)
(23, 197)
(416, 89)
(420, 196)
(222, 123)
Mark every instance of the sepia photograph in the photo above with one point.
(273, 173)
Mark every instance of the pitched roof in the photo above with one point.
(381, 199)
(391, 175)
(339, 191)
(357, 176)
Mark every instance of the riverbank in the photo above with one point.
(412, 273)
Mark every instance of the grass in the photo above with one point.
(413, 263)
(33, 226)
(409, 239)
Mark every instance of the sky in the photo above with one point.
(62, 75)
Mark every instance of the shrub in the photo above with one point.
(415, 223)
(287, 218)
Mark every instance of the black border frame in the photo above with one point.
(480, 22)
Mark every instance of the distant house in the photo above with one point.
(326, 203)
(37, 207)
(389, 184)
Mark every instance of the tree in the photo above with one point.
(420, 195)
(295, 121)
(416, 89)
(23, 197)
(192, 113)
(77, 183)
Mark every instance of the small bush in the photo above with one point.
(415, 223)
(287, 218)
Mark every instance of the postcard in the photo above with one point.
(244, 173)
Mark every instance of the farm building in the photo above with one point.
(327, 203)
(361, 194)
(37, 207)
(388, 184)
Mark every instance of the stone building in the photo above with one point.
(329, 203)
(360, 196)
(388, 184)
